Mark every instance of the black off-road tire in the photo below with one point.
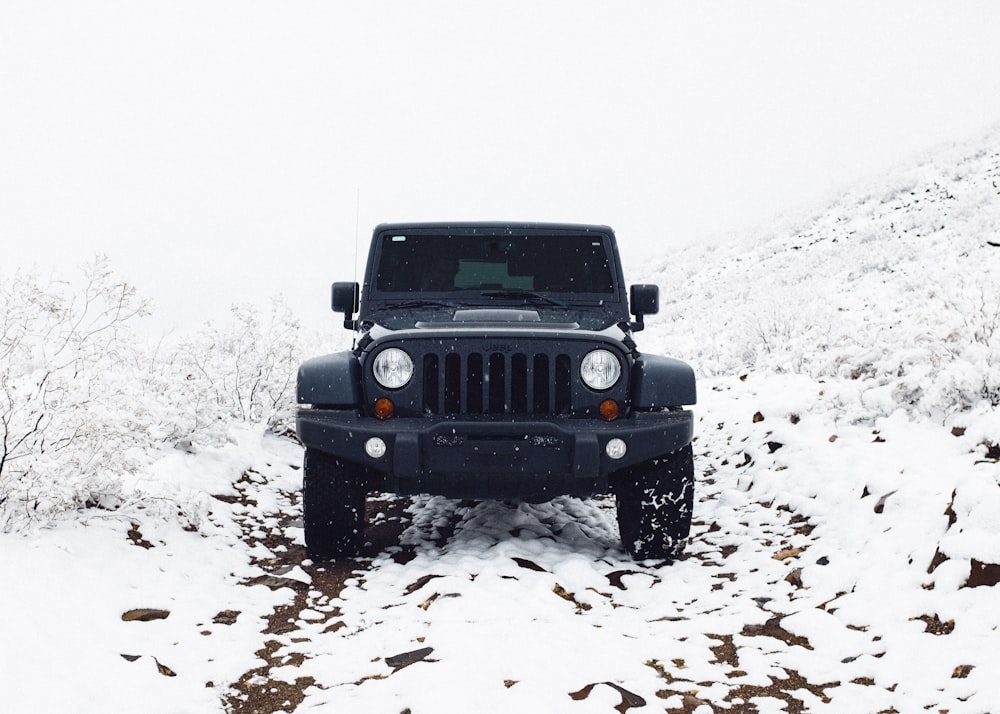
(333, 506)
(655, 500)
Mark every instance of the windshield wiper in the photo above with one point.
(416, 303)
(526, 295)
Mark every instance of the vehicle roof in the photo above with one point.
(493, 226)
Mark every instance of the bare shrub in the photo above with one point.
(69, 425)
(242, 370)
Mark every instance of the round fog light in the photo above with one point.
(615, 449)
(375, 447)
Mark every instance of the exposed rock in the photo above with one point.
(570, 597)
(407, 658)
(950, 510)
(145, 614)
(880, 505)
(787, 553)
(983, 574)
(226, 617)
(617, 578)
(938, 558)
(629, 699)
(935, 626)
(135, 536)
(529, 565)
(794, 578)
(773, 628)
(275, 582)
(419, 583)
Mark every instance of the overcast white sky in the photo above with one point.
(216, 151)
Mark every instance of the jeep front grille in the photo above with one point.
(497, 383)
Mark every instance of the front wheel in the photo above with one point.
(655, 500)
(333, 506)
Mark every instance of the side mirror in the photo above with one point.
(643, 300)
(345, 300)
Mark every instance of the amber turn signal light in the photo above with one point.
(384, 408)
(609, 409)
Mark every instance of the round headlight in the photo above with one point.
(393, 368)
(600, 370)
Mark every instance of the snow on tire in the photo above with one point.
(655, 500)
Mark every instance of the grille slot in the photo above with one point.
(497, 383)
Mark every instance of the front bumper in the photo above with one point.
(528, 458)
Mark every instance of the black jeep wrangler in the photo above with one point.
(496, 360)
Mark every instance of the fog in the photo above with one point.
(225, 152)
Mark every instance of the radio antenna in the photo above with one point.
(357, 225)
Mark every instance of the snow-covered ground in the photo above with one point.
(843, 558)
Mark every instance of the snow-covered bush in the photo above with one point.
(241, 370)
(85, 404)
(70, 369)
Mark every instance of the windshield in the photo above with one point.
(520, 264)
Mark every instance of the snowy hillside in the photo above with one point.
(894, 286)
(843, 555)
